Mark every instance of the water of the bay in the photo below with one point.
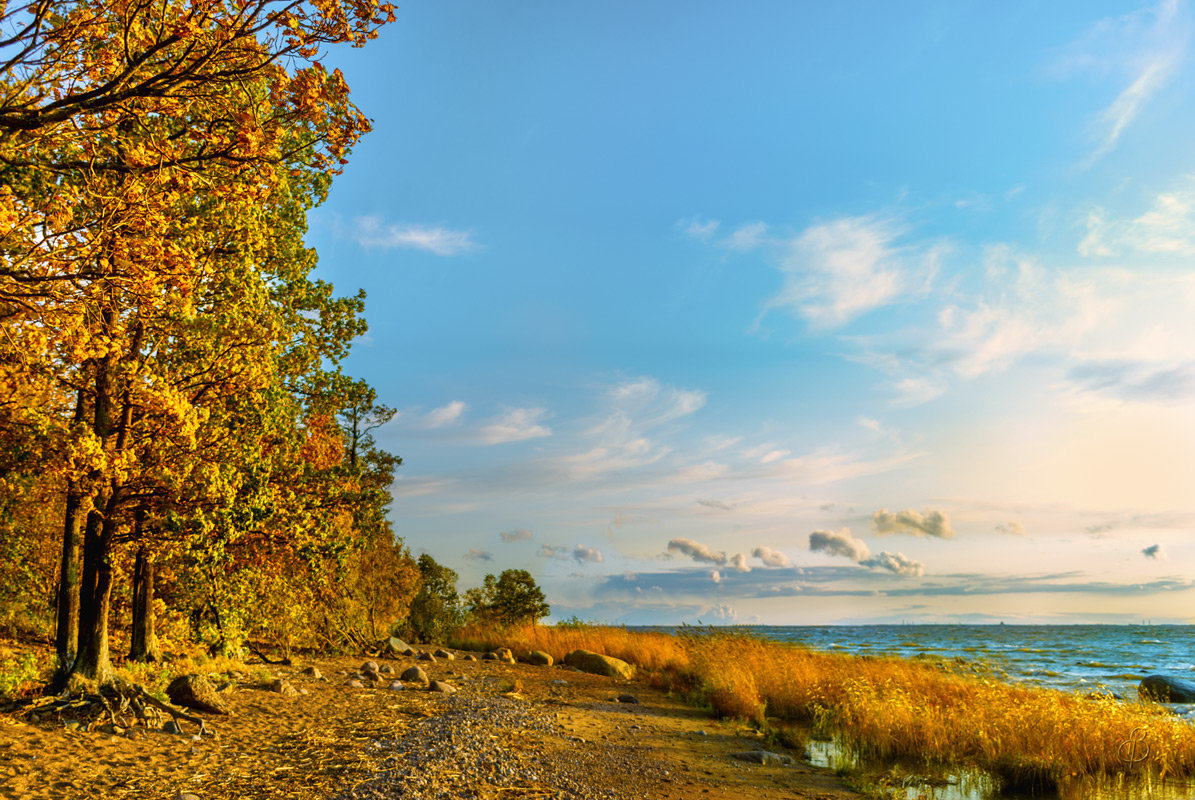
(1076, 658)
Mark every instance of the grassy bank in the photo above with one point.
(938, 713)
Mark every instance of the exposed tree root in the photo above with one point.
(119, 704)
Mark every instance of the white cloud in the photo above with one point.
(715, 576)
(697, 228)
(1012, 528)
(696, 551)
(516, 425)
(373, 232)
(839, 270)
(896, 563)
(771, 558)
(746, 237)
(1166, 229)
(517, 535)
(739, 563)
(444, 415)
(839, 543)
(1159, 38)
(583, 554)
(931, 523)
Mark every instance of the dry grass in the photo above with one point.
(892, 709)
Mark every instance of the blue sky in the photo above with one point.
(785, 312)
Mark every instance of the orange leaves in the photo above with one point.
(323, 445)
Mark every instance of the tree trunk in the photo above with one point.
(67, 633)
(93, 660)
(145, 641)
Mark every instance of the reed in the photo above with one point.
(932, 713)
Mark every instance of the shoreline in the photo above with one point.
(510, 730)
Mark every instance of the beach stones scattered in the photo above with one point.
(312, 672)
(442, 687)
(504, 655)
(468, 657)
(386, 669)
(414, 675)
(538, 658)
(283, 688)
(395, 686)
(353, 683)
(1167, 689)
(444, 654)
(628, 698)
(370, 666)
(197, 692)
(426, 657)
(599, 664)
(490, 657)
(765, 757)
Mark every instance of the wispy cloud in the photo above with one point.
(517, 535)
(478, 555)
(372, 231)
(444, 415)
(841, 269)
(696, 227)
(1141, 51)
(516, 425)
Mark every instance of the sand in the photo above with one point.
(336, 741)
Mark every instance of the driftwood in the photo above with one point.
(111, 703)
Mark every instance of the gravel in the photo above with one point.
(476, 745)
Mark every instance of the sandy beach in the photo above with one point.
(509, 731)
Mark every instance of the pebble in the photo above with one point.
(353, 683)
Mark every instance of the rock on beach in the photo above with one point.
(1167, 689)
(197, 692)
(599, 664)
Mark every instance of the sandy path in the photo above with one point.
(559, 733)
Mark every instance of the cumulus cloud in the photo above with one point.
(696, 551)
(516, 425)
(583, 554)
(839, 543)
(371, 231)
(478, 555)
(1154, 551)
(739, 563)
(1012, 528)
(548, 551)
(715, 576)
(931, 523)
(771, 558)
(839, 270)
(517, 535)
(896, 563)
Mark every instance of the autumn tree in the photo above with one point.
(144, 151)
